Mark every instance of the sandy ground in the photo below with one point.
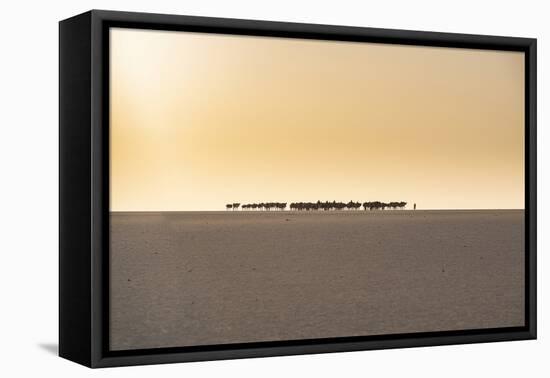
(196, 278)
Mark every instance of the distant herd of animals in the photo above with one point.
(309, 206)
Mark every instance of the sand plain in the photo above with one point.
(200, 278)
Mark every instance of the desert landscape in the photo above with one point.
(265, 189)
(201, 278)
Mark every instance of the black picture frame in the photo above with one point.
(84, 187)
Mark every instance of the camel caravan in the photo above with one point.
(311, 206)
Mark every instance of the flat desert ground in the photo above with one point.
(198, 278)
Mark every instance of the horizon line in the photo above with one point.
(310, 211)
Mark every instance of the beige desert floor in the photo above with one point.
(196, 278)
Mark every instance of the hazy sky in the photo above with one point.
(201, 120)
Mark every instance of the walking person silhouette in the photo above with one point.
(415, 206)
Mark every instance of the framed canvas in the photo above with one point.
(235, 188)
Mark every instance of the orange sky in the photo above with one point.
(201, 120)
